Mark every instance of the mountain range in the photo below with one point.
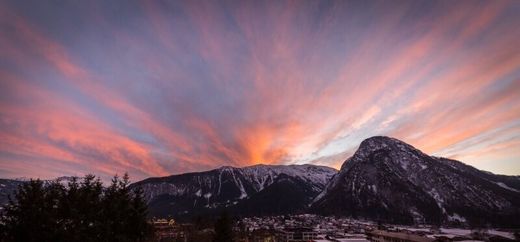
(252, 190)
(385, 180)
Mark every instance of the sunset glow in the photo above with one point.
(165, 87)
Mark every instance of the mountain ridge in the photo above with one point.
(233, 188)
(387, 179)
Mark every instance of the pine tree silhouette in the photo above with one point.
(78, 211)
(223, 228)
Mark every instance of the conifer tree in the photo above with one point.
(223, 228)
(77, 211)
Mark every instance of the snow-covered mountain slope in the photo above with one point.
(228, 186)
(7, 188)
(389, 180)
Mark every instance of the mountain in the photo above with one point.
(391, 181)
(385, 180)
(7, 188)
(253, 190)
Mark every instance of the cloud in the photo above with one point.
(157, 88)
(367, 116)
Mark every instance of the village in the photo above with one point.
(315, 228)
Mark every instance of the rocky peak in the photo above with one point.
(385, 149)
(390, 180)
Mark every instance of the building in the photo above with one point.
(387, 236)
(164, 228)
(300, 234)
(168, 230)
(263, 235)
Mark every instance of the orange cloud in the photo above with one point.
(176, 87)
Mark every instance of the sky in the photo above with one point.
(164, 87)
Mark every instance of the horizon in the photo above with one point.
(214, 168)
(171, 87)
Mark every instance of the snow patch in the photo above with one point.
(502, 185)
(438, 199)
(456, 217)
(207, 196)
(238, 183)
(505, 234)
(417, 216)
(374, 188)
(219, 182)
(460, 232)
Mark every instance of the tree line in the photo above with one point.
(81, 210)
